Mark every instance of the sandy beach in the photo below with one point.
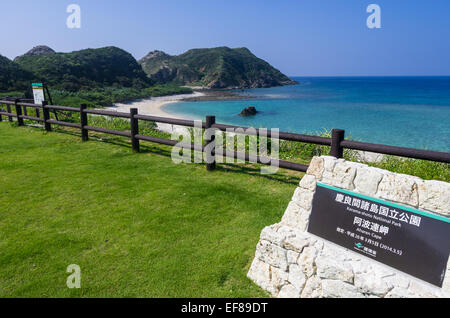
(153, 106)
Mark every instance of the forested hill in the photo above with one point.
(85, 69)
(12, 76)
(220, 67)
(112, 67)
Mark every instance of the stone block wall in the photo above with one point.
(290, 262)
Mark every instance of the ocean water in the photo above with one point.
(401, 111)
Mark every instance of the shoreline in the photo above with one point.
(154, 106)
(217, 95)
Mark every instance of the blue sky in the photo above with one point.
(300, 37)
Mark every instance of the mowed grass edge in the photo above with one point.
(137, 224)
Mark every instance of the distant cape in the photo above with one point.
(215, 68)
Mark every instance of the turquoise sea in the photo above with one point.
(401, 111)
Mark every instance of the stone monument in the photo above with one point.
(292, 262)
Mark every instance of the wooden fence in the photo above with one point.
(336, 142)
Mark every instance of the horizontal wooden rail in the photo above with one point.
(29, 105)
(173, 143)
(31, 118)
(281, 135)
(108, 131)
(292, 166)
(26, 100)
(19, 100)
(398, 151)
(262, 160)
(7, 102)
(166, 120)
(336, 142)
(63, 123)
(8, 114)
(63, 108)
(107, 113)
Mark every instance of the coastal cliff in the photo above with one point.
(215, 68)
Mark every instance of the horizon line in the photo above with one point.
(368, 76)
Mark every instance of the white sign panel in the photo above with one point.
(38, 93)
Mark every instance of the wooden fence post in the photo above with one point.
(210, 143)
(83, 123)
(18, 113)
(8, 109)
(46, 113)
(38, 115)
(134, 122)
(337, 136)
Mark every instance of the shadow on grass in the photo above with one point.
(254, 170)
(284, 176)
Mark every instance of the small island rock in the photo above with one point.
(249, 111)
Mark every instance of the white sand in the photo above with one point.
(153, 107)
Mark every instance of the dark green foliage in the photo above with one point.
(168, 89)
(18, 94)
(12, 76)
(86, 69)
(220, 67)
(424, 169)
(97, 77)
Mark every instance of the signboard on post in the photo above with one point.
(38, 93)
(410, 240)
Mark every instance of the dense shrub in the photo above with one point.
(86, 69)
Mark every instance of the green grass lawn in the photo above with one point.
(137, 224)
